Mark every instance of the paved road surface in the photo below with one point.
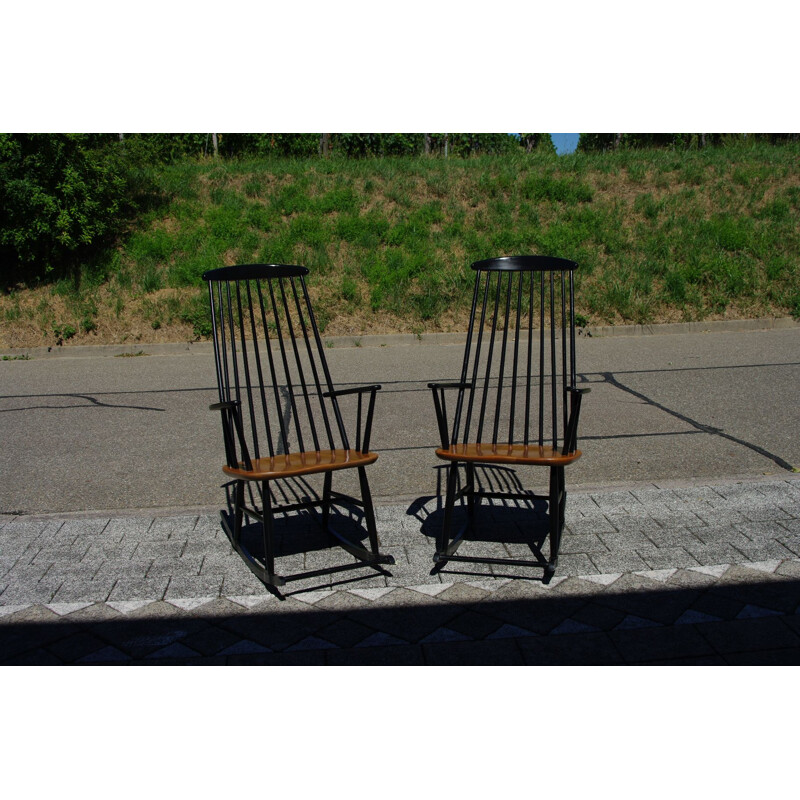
(92, 433)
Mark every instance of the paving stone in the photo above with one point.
(17, 593)
(210, 640)
(139, 588)
(623, 542)
(742, 573)
(184, 567)
(111, 551)
(96, 612)
(720, 516)
(663, 557)
(409, 571)
(309, 658)
(789, 568)
(748, 635)
(76, 646)
(213, 608)
(85, 570)
(708, 555)
(789, 656)
(582, 543)
(345, 632)
(662, 605)
(615, 502)
(166, 527)
(668, 642)
(124, 568)
(390, 655)
(474, 624)
(34, 613)
(61, 554)
(619, 562)
(763, 551)
(181, 586)
(577, 586)
(463, 593)
(764, 513)
(499, 652)
(691, 578)
(343, 602)
(712, 535)
(158, 549)
(77, 588)
(118, 529)
(594, 525)
(83, 527)
(27, 573)
(576, 564)
(628, 525)
(791, 543)
(589, 649)
(38, 657)
(242, 582)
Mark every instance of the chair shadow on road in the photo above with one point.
(503, 528)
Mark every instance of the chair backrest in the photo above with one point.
(519, 355)
(271, 360)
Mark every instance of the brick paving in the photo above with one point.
(677, 574)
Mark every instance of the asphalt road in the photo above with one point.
(109, 433)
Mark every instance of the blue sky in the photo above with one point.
(565, 142)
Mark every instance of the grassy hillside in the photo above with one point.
(659, 236)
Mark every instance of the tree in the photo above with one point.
(62, 197)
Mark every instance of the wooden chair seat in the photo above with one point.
(294, 464)
(488, 453)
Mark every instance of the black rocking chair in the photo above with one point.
(281, 417)
(516, 402)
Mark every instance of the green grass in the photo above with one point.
(659, 235)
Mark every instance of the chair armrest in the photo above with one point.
(232, 424)
(450, 385)
(225, 405)
(354, 390)
(362, 434)
(571, 435)
(440, 406)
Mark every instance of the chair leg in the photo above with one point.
(450, 498)
(369, 510)
(267, 529)
(238, 510)
(326, 506)
(471, 492)
(557, 503)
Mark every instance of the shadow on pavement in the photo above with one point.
(522, 623)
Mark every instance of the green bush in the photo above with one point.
(62, 199)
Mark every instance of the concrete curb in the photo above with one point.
(398, 339)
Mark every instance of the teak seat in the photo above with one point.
(516, 402)
(281, 416)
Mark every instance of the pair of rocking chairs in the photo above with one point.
(516, 403)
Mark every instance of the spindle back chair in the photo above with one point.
(516, 402)
(281, 416)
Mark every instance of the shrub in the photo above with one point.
(62, 197)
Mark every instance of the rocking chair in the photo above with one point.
(528, 417)
(281, 417)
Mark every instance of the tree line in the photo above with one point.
(593, 142)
